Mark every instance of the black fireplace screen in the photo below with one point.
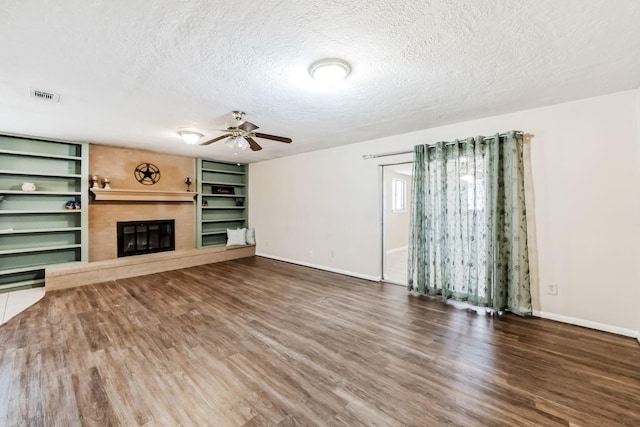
(145, 237)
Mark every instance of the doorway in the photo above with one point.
(396, 183)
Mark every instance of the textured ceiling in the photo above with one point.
(133, 73)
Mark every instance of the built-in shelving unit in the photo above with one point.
(217, 212)
(36, 227)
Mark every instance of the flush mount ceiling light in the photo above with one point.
(190, 137)
(330, 70)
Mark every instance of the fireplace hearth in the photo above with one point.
(145, 237)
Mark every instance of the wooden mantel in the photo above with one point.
(143, 195)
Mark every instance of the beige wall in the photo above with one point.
(119, 164)
(322, 208)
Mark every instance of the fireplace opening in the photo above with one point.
(145, 237)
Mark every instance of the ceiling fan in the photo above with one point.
(242, 134)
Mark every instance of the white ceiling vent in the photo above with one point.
(44, 95)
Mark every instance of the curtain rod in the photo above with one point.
(397, 153)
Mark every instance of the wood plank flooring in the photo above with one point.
(257, 342)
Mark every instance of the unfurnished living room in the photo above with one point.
(320, 213)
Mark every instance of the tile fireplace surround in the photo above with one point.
(104, 214)
(128, 200)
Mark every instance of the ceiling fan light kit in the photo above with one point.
(242, 133)
(242, 143)
(190, 137)
(237, 142)
(330, 70)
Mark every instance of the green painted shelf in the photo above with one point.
(223, 171)
(33, 154)
(224, 195)
(41, 193)
(227, 184)
(223, 220)
(39, 173)
(23, 284)
(39, 249)
(7, 272)
(35, 212)
(211, 233)
(40, 230)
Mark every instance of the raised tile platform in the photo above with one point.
(79, 274)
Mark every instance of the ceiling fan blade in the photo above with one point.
(248, 126)
(273, 137)
(253, 144)
(211, 141)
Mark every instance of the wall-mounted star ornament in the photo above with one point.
(147, 173)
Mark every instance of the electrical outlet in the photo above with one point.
(331, 254)
(552, 289)
(311, 252)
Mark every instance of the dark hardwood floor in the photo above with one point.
(256, 342)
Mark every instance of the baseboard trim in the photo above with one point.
(320, 267)
(394, 250)
(588, 324)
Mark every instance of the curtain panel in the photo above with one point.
(468, 231)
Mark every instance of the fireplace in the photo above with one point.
(145, 237)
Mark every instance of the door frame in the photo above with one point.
(381, 208)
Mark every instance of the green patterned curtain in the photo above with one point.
(468, 235)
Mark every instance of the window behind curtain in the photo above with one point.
(399, 195)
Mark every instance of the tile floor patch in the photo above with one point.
(18, 301)
(395, 268)
(3, 306)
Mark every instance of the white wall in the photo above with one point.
(322, 208)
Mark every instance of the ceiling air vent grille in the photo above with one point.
(44, 95)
